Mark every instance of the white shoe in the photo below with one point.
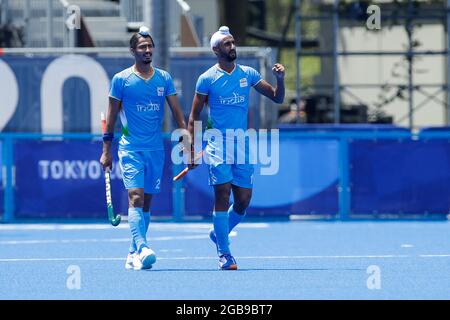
(131, 259)
(137, 264)
(147, 258)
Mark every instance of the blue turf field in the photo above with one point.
(277, 260)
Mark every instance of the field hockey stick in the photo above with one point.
(186, 170)
(112, 217)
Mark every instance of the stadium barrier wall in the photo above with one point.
(335, 174)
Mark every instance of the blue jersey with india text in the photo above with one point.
(228, 95)
(142, 108)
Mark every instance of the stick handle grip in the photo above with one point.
(181, 174)
(185, 170)
(103, 119)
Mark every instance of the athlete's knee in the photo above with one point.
(240, 207)
(222, 198)
(147, 202)
(242, 203)
(135, 198)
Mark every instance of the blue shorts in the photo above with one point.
(240, 175)
(142, 169)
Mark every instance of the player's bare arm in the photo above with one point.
(113, 110)
(177, 113)
(197, 106)
(275, 94)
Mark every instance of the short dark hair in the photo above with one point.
(135, 39)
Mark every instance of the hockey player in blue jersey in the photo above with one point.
(137, 95)
(226, 88)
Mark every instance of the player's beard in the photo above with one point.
(230, 56)
(147, 59)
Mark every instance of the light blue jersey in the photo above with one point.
(228, 95)
(142, 109)
(228, 100)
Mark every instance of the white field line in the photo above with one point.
(240, 257)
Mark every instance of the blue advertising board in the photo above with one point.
(57, 179)
(400, 176)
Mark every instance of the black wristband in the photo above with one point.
(108, 137)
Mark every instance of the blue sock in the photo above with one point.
(234, 217)
(137, 226)
(133, 247)
(220, 221)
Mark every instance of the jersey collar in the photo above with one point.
(133, 69)
(229, 73)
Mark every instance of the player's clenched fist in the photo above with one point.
(106, 160)
(278, 70)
